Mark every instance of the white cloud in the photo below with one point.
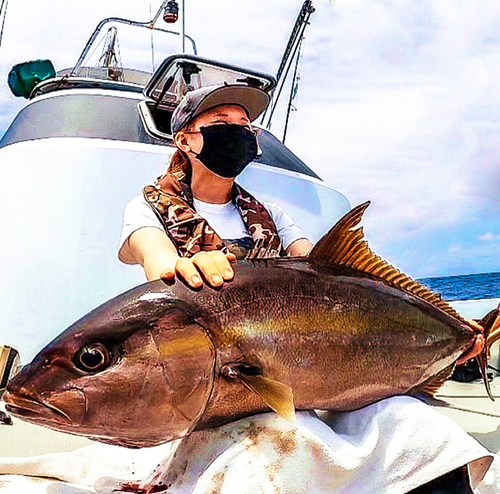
(487, 237)
(411, 116)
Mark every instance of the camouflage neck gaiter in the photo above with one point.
(172, 200)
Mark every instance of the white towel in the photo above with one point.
(390, 447)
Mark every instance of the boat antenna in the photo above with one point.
(183, 26)
(152, 43)
(289, 55)
(3, 12)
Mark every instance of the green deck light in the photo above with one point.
(23, 77)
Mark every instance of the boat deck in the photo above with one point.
(473, 410)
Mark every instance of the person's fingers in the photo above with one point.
(223, 263)
(168, 276)
(211, 267)
(188, 273)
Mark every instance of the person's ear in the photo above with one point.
(180, 140)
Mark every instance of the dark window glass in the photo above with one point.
(274, 153)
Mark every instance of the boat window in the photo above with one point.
(157, 121)
(80, 115)
(179, 74)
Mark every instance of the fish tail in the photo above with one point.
(491, 325)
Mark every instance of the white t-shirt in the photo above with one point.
(223, 218)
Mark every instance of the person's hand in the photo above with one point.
(210, 267)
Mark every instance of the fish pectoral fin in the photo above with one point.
(275, 395)
(429, 388)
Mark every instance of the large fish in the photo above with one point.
(337, 331)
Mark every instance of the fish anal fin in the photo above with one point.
(430, 387)
(345, 245)
(277, 396)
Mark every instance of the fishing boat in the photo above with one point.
(91, 136)
(88, 139)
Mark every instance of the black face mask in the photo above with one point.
(227, 149)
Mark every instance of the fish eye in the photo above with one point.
(92, 358)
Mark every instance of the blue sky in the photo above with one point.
(399, 103)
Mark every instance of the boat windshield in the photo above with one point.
(118, 44)
(179, 74)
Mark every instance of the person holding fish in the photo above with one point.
(194, 223)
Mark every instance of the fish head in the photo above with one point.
(137, 371)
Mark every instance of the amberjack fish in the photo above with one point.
(337, 330)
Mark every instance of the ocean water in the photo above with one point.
(465, 287)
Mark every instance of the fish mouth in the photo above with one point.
(33, 410)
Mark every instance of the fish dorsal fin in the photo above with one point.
(345, 245)
(277, 396)
(429, 388)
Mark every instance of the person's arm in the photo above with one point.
(299, 248)
(156, 253)
(297, 245)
